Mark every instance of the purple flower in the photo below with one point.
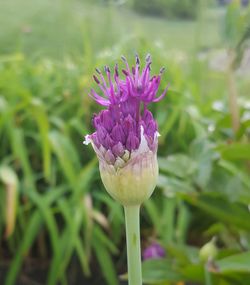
(126, 134)
(120, 127)
(155, 250)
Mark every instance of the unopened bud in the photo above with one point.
(208, 251)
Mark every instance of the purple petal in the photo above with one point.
(129, 125)
(151, 128)
(109, 157)
(118, 149)
(132, 142)
(101, 133)
(108, 142)
(154, 251)
(96, 120)
(106, 119)
(147, 116)
(100, 100)
(162, 95)
(118, 134)
(95, 140)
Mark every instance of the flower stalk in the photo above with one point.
(132, 219)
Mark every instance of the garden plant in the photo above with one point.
(58, 225)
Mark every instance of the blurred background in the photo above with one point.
(57, 223)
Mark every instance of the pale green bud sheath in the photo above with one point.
(134, 182)
(126, 141)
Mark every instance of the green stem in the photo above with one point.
(208, 277)
(132, 218)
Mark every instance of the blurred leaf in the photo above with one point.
(76, 239)
(106, 263)
(102, 238)
(168, 123)
(41, 117)
(233, 23)
(234, 263)
(236, 172)
(183, 253)
(177, 165)
(155, 271)
(202, 152)
(67, 242)
(173, 186)
(21, 153)
(10, 179)
(67, 156)
(32, 229)
(49, 219)
(235, 151)
(154, 214)
(221, 209)
(194, 272)
(83, 182)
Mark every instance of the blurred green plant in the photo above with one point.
(53, 208)
(235, 32)
(61, 209)
(183, 9)
(41, 152)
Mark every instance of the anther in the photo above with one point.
(125, 72)
(137, 60)
(123, 58)
(116, 70)
(98, 70)
(106, 69)
(162, 70)
(148, 57)
(96, 79)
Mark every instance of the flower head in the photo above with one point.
(126, 135)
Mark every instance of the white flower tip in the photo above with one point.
(87, 140)
(143, 147)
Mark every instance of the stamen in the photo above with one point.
(148, 58)
(162, 70)
(123, 58)
(106, 69)
(112, 93)
(125, 72)
(96, 79)
(137, 60)
(98, 70)
(126, 62)
(162, 95)
(116, 70)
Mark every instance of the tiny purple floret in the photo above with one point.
(119, 128)
(154, 251)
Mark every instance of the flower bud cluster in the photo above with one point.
(126, 134)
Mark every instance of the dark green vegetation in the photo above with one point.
(57, 223)
(186, 9)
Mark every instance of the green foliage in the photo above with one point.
(184, 9)
(234, 23)
(53, 207)
(41, 142)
